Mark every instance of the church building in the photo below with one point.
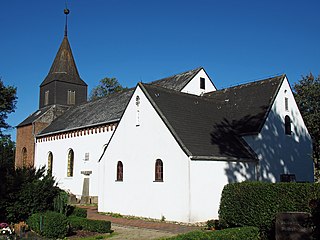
(163, 149)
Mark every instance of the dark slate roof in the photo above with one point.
(206, 127)
(34, 116)
(177, 82)
(103, 110)
(64, 67)
(248, 103)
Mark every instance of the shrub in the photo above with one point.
(77, 212)
(241, 233)
(49, 224)
(98, 226)
(25, 191)
(78, 223)
(60, 202)
(257, 203)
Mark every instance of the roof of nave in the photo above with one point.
(210, 126)
(103, 110)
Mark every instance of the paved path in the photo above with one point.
(138, 223)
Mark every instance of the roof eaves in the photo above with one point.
(283, 76)
(165, 120)
(228, 159)
(77, 128)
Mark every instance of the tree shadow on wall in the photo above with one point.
(274, 151)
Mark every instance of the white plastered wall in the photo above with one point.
(138, 148)
(207, 181)
(92, 144)
(279, 153)
(193, 87)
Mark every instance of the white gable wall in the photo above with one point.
(193, 87)
(138, 147)
(280, 153)
(92, 144)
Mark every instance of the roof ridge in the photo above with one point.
(171, 76)
(282, 76)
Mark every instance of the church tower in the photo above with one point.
(61, 89)
(63, 84)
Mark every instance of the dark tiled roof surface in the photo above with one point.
(103, 110)
(64, 67)
(247, 104)
(212, 125)
(177, 82)
(34, 116)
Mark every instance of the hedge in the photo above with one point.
(76, 211)
(241, 233)
(49, 224)
(257, 203)
(78, 223)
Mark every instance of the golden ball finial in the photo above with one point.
(66, 11)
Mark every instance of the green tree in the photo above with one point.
(7, 152)
(8, 100)
(307, 95)
(106, 86)
(25, 191)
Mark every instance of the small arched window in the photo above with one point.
(120, 171)
(159, 171)
(24, 157)
(70, 163)
(287, 125)
(50, 162)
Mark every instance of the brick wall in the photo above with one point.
(25, 143)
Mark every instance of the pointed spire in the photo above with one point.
(64, 67)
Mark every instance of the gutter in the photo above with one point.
(228, 159)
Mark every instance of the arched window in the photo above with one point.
(120, 171)
(287, 125)
(159, 171)
(50, 162)
(70, 163)
(24, 157)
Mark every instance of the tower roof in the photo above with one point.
(64, 68)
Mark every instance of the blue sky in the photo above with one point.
(235, 41)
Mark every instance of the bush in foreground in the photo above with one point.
(79, 223)
(257, 203)
(49, 224)
(76, 212)
(241, 233)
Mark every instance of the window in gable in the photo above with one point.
(202, 83)
(287, 125)
(46, 98)
(159, 171)
(50, 162)
(71, 100)
(119, 171)
(70, 163)
(286, 104)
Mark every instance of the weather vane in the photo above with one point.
(66, 12)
